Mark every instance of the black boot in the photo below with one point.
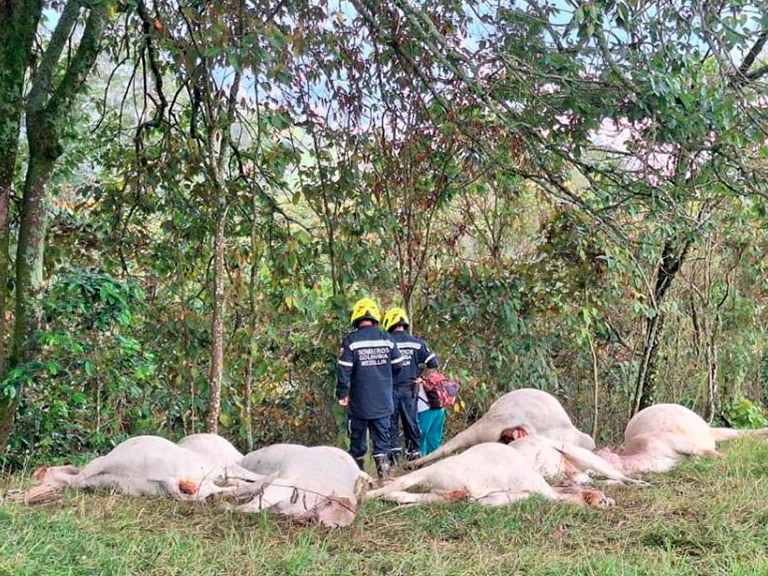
(361, 463)
(395, 458)
(413, 455)
(382, 466)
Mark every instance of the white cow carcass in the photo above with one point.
(491, 474)
(150, 466)
(212, 447)
(320, 485)
(515, 415)
(658, 437)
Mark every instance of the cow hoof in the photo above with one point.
(597, 499)
(456, 495)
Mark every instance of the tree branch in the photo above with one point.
(41, 83)
(154, 67)
(80, 65)
(749, 59)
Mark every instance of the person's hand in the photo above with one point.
(344, 401)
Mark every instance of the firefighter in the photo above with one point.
(415, 353)
(367, 362)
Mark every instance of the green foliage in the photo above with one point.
(741, 412)
(513, 183)
(93, 381)
(478, 321)
(92, 300)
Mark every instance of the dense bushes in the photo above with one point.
(120, 357)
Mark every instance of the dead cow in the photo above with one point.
(321, 485)
(269, 460)
(558, 460)
(492, 474)
(658, 437)
(212, 447)
(513, 416)
(150, 466)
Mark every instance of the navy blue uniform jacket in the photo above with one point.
(416, 352)
(369, 358)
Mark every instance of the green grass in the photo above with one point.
(708, 517)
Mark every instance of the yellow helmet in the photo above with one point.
(395, 317)
(365, 309)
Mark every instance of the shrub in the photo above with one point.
(741, 412)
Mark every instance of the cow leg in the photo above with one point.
(502, 498)
(272, 496)
(580, 495)
(722, 434)
(402, 497)
(120, 484)
(208, 488)
(400, 484)
(234, 473)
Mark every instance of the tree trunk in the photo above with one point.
(29, 278)
(18, 23)
(217, 330)
(6, 190)
(47, 107)
(29, 257)
(672, 258)
(248, 392)
(596, 386)
(711, 378)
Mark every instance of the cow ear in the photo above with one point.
(361, 484)
(40, 473)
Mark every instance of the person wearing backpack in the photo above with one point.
(368, 361)
(431, 423)
(415, 352)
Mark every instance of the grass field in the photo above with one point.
(708, 517)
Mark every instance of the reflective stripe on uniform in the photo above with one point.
(398, 360)
(413, 345)
(371, 344)
(429, 358)
(344, 363)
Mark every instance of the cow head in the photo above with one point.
(56, 475)
(332, 512)
(41, 474)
